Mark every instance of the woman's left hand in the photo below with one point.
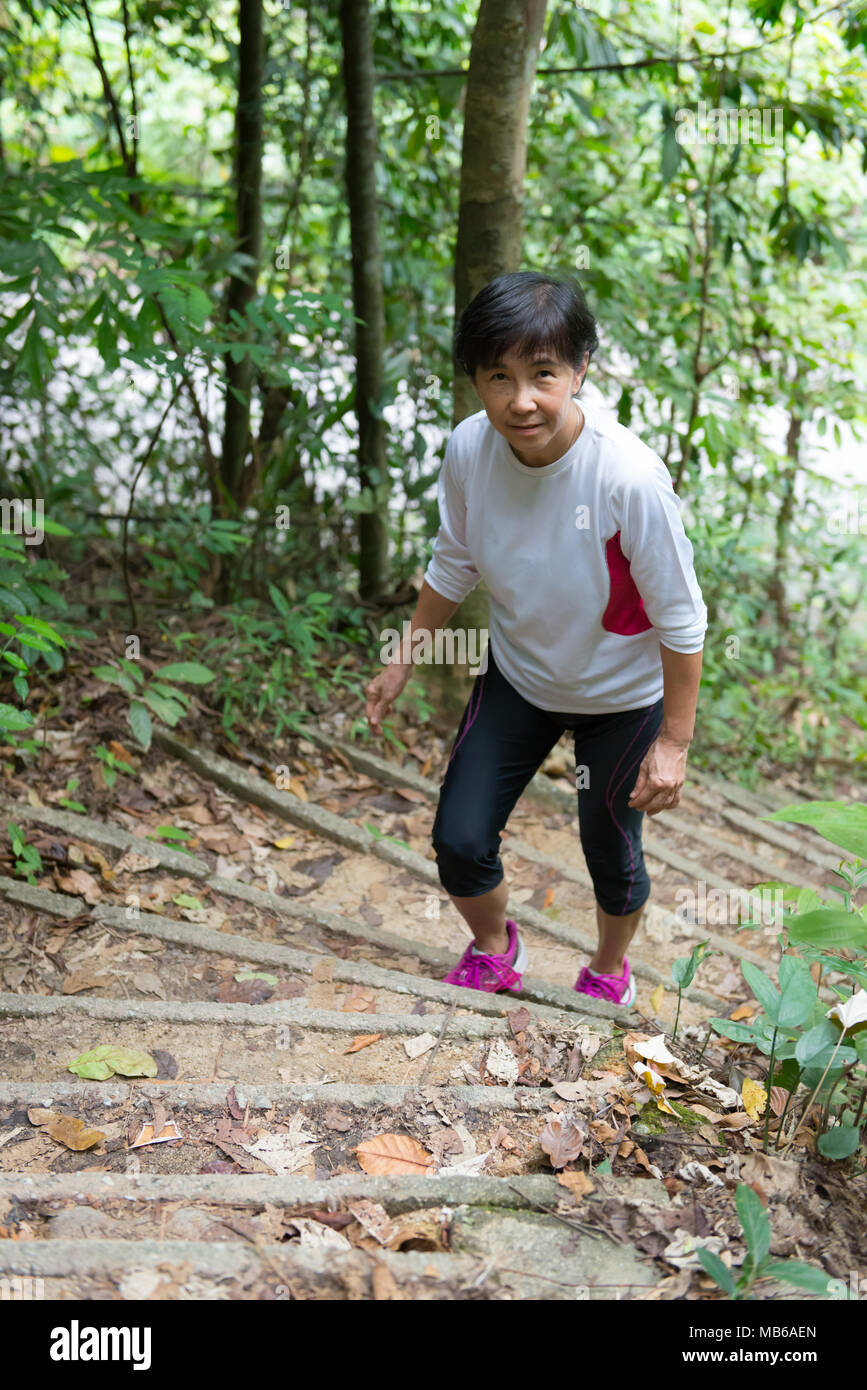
(660, 777)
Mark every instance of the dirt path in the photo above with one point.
(328, 1119)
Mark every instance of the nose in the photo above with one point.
(523, 401)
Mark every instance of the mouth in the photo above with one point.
(525, 429)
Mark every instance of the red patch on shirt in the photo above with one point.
(625, 613)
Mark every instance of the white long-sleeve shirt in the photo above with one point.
(586, 561)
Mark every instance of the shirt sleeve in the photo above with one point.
(660, 558)
(451, 570)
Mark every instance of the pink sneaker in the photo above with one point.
(618, 989)
(492, 973)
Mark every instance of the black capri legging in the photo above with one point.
(501, 742)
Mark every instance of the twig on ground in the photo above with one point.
(450, 1013)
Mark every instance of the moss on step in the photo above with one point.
(652, 1120)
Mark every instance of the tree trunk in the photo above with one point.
(776, 586)
(361, 151)
(503, 57)
(240, 376)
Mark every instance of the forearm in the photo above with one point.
(681, 673)
(432, 611)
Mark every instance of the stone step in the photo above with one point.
(261, 1044)
(494, 1255)
(544, 792)
(257, 790)
(454, 1125)
(392, 985)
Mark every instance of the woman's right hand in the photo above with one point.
(382, 692)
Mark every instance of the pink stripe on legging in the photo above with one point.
(611, 792)
(471, 720)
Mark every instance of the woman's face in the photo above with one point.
(529, 402)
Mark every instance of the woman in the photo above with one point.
(596, 624)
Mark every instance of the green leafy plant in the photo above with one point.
(756, 1228)
(26, 594)
(795, 1027)
(111, 765)
(160, 695)
(66, 801)
(683, 973)
(28, 860)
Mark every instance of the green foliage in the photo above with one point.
(26, 634)
(157, 695)
(794, 1025)
(683, 973)
(28, 860)
(758, 1264)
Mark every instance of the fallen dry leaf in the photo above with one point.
(577, 1182)
(134, 863)
(418, 1230)
(337, 1119)
(779, 1096)
(501, 1063)
(742, 1011)
(74, 984)
(73, 1133)
(394, 1153)
(80, 881)
(657, 998)
(562, 1141)
(754, 1097)
(360, 1001)
(375, 1219)
(776, 1175)
(415, 1047)
(364, 1040)
(151, 1134)
(518, 1020)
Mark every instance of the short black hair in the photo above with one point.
(530, 312)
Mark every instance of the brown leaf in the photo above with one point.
(120, 752)
(360, 1001)
(778, 1097)
(337, 1119)
(234, 1109)
(74, 984)
(518, 1020)
(742, 1011)
(375, 1219)
(549, 898)
(418, 1230)
(562, 1141)
(363, 1040)
(394, 1153)
(577, 1182)
(73, 1133)
(244, 992)
(80, 881)
(199, 815)
(150, 1135)
(504, 1140)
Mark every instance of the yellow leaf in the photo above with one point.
(284, 843)
(657, 998)
(654, 1082)
(742, 1011)
(754, 1097)
(73, 1133)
